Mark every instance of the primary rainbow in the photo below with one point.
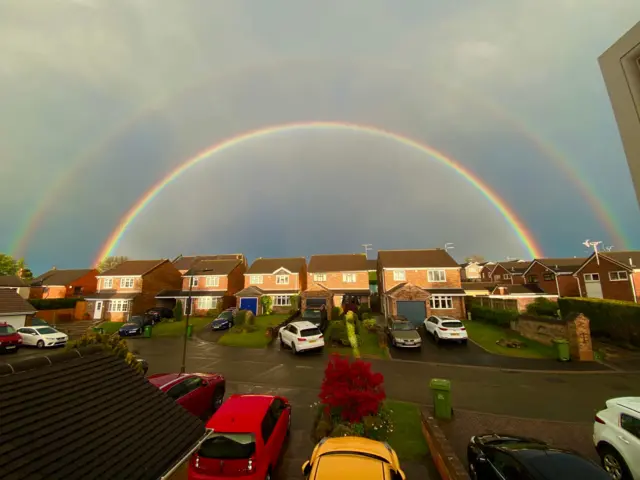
(525, 237)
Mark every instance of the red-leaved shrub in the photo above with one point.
(351, 389)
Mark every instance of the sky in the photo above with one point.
(101, 99)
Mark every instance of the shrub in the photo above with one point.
(366, 316)
(338, 334)
(543, 307)
(110, 343)
(501, 318)
(352, 318)
(353, 339)
(351, 389)
(370, 324)
(267, 304)
(336, 313)
(295, 302)
(615, 319)
(342, 430)
(54, 303)
(178, 311)
(364, 309)
(323, 429)
(243, 317)
(250, 318)
(212, 312)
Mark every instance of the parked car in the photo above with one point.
(402, 333)
(224, 321)
(247, 439)
(42, 336)
(198, 393)
(135, 326)
(159, 313)
(351, 458)
(505, 457)
(446, 328)
(10, 339)
(312, 315)
(301, 336)
(616, 436)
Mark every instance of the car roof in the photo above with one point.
(632, 403)
(304, 324)
(545, 462)
(354, 445)
(445, 317)
(166, 380)
(345, 466)
(241, 413)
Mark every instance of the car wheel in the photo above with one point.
(218, 398)
(436, 337)
(393, 342)
(613, 463)
(40, 344)
(294, 349)
(282, 345)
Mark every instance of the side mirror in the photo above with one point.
(306, 468)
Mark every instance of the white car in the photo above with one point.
(616, 436)
(42, 336)
(446, 328)
(301, 336)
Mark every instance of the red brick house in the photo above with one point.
(610, 275)
(555, 275)
(485, 271)
(131, 288)
(184, 264)
(419, 283)
(279, 278)
(64, 283)
(213, 283)
(509, 272)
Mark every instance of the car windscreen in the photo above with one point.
(403, 326)
(46, 330)
(7, 330)
(228, 446)
(310, 332)
(452, 324)
(225, 316)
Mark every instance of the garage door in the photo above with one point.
(316, 302)
(415, 312)
(249, 304)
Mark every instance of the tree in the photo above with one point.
(11, 266)
(474, 258)
(178, 311)
(110, 262)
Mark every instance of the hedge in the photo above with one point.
(614, 319)
(501, 318)
(54, 303)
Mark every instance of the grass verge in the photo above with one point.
(110, 327)
(486, 335)
(407, 438)
(176, 329)
(369, 347)
(257, 339)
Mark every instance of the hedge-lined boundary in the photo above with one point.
(501, 318)
(54, 303)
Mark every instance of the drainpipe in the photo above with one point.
(557, 284)
(579, 287)
(633, 287)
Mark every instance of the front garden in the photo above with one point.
(250, 331)
(354, 334)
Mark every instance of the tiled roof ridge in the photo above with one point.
(26, 364)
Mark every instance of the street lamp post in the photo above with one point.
(186, 324)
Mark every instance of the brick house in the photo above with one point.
(213, 283)
(610, 275)
(555, 275)
(337, 279)
(485, 271)
(470, 271)
(131, 288)
(14, 309)
(279, 278)
(509, 272)
(64, 283)
(419, 283)
(15, 283)
(184, 264)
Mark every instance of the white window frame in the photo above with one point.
(349, 277)
(431, 276)
(591, 277)
(107, 283)
(193, 282)
(210, 304)
(549, 277)
(436, 302)
(281, 300)
(319, 277)
(118, 306)
(616, 276)
(127, 282)
(506, 276)
(399, 275)
(212, 281)
(256, 279)
(282, 279)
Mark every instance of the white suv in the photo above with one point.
(446, 328)
(301, 336)
(616, 436)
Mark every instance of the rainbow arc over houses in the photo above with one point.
(518, 227)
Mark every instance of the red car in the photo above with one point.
(10, 340)
(198, 393)
(246, 439)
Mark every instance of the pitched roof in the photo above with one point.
(562, 265)
(372, 264)
(63, 413)
(11, 281)
(341, 262)
(213, 267)
(430, 258)
(630, 258)
(133, 267)
(478, 285)
(251, 291)
(267, 266)
(11, 302)
(185, 263)
(55, 277)
(514, 268)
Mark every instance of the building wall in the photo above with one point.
(235, 281)
(549, 286)
(335, 281)
(269, 282)
(223, 283)
(16, 321)
(471, 272)
(164, 277)
(116, 285)
(621, 72)
(48, 292)
(419, 278)
(611, 290)
(500, 270)
(568, 286)
(88, 284)
(458, 310)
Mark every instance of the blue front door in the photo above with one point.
(249, 304)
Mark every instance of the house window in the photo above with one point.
(532, 279)
(77, 290)
(506, 276)
(436, 276)
(547, 277)
(194, 282)
(256, 279)
(282, 279)
(126, 282)
(349, 277)
(119, 306)
(319, 277)
(618, 276)
(107, 283)
(212, 281)
(205, 303)
(399, 275)
(591, 277)
(282, 300)
(496, 278)
(440, 302)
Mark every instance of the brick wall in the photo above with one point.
(612, 290)
(164, 277)
(540, 329)
(335, 281)
(269, 282)
(500, 270)
(116, 284)
(223, 283)
(419, 278)
(235, 280)
(48, 292)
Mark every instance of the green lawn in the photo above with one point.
(176, 329)
(407, 438)
(368, 347)
(110, 327)
(486, 336)
(257, 339)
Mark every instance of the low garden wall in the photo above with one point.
(542, 330)
(447, 463)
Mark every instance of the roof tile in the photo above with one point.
(429, 258)
(133, 267)
(11, 281)
(267, 266)
(11, 302)
(57, 277)
(341, 262)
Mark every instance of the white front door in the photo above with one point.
(592, 284)
(97, 312)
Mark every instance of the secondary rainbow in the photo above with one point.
(523, 234)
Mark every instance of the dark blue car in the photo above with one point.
(224, 321)
(135, 326)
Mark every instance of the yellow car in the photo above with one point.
(349, 458)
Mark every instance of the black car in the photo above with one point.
(508, 457)
(223, 321)
(135, 326)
